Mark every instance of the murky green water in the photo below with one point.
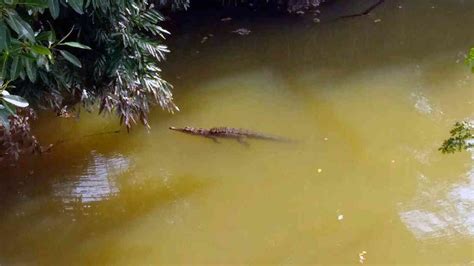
(369, 103)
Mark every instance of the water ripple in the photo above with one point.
(445, 212)
(95, 183)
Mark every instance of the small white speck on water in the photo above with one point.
(340, 217)
(362, 257)
(326, 139)
(400, 6)
(320, 170)
(377, 20)
(393, 161)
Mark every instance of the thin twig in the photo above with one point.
(366, 12)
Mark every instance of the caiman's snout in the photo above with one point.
(179, 129)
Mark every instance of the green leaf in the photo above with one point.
(39, 49)
(15, 67)
(32, 3)
(76, 45)
(77, 5)
(30, 69)
(71, 58)
(22, 74)
(20, 26)
(54, 8)
(43, 36)
(3, 65)
(16, 100)
(49, 36)
(4, 37)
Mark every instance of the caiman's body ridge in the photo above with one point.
(226, 132)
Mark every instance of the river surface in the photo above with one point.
(368, 101)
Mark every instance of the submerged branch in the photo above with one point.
(365, 12)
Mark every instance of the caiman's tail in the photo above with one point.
(262, 136)
(271, 138)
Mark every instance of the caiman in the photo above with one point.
(227, 132)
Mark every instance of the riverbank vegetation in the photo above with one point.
(56, 54)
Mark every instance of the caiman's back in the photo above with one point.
(227, 132)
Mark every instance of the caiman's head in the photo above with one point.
(184, 129)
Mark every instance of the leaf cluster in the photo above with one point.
(120, 70)
(462, 138)
(57, 53)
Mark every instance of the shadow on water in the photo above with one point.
(38, 220)
(82, 181)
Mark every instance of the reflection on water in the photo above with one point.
(448, 210)
(95, 183)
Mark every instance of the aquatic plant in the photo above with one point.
(462, 138)
(462, 134)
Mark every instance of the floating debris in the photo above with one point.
(340, 217)
(377, 20)
(326, 139)
(393, 161)
(362, 257)
(242, 31)
(226, 19)
(320, 170)
(65, 113)
(205, 38)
